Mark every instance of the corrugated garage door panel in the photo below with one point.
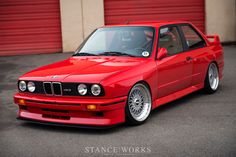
(121, 11)
(28, 27)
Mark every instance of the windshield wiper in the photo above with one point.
(116, 53)
(84, 54)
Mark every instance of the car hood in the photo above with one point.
(90, 69)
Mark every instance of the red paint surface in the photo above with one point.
(29, 27)
(169, 79)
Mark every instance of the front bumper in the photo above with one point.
(71, 110)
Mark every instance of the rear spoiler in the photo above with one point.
(213, 39)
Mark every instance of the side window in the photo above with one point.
(169, 38)
(192, 38)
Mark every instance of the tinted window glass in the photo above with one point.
(170, 39)
(192, 38)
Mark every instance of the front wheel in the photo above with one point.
(212, 79)
(139, 104)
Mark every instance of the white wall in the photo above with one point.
(78, 19)
(221, 19)
(93, 15)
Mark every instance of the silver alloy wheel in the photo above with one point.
(139, 102)
(213, 76)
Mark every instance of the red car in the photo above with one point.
(120, 73)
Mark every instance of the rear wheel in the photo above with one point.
(212, 79)
(139, 104)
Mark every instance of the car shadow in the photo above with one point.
(179, 102)
(71, 129)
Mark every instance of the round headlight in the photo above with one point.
(96, 89)
(82, 89)
(31, 86)
(22, 86)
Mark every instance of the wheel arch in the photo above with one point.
(146, 84)
(212, 61)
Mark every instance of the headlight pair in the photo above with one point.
(95, 89)
(30, 86)
(82, 89)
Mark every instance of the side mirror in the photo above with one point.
(162, 53)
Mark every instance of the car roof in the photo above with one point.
(147, 23)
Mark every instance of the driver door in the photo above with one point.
(174, 71)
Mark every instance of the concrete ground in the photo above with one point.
(196, 125)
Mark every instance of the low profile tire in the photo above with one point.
(138, 105)
(212, 79)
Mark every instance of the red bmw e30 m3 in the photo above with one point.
(120, 73)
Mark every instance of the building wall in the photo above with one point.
(221, 19)
(78, 19)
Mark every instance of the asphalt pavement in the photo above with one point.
(196, 125)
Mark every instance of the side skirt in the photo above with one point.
(176, 95)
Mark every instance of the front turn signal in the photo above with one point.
(21, 101)
(91, 107)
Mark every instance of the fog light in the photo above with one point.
(21, 101)
(91, 107)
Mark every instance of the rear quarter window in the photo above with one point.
(193, 39)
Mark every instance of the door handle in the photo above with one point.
(189, 58)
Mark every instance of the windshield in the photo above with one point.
(119, 41)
